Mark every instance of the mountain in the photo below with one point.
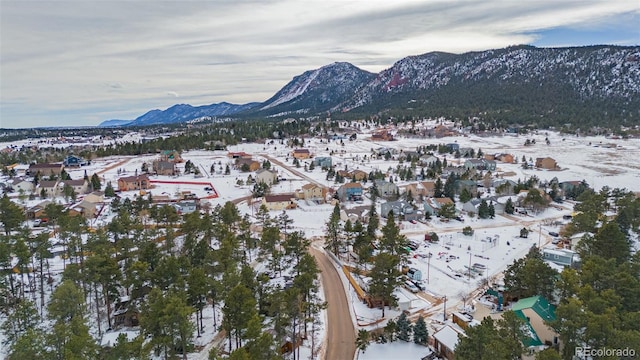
(317, 90)
(591, 85)
(114, 123)
(180, 113)
(521, 82)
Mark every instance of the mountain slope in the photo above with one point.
(182, 113)
(317, 90)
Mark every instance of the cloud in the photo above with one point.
(61, 57)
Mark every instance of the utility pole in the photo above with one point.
(428, 267)
(539, 234)
(445, 309)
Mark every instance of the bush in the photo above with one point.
(467, 230)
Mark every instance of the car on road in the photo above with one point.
(459, 218)
(554, 234)
(419, 285)
(208, 188)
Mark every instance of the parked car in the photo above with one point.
(419, 285)
(411, 287)
(459, 218)
(554, 234)
(208, 188)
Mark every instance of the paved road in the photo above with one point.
(340, 340)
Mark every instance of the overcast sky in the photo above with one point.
(68, 63)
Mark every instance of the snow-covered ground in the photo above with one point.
(495, 244)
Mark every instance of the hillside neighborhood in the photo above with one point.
(439, 239)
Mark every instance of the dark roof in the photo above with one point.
(74, 182)
(47, 184)
(301, 151)
(44, 166)
(278, 197)
(134, 178)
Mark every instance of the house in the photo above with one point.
(244, 164)
(266, 176)
(562, 257)
(84, 208)
(504, 186)
(401, 210)
(470, 185)
(453, 147)
(466, 151)
(356, 213)
(45, 169)
(136, 182)
(48, 188)
(445, 341)
(301, 154)
(80, 186)
(505, 158)
(459, 170)
(350, 191)
(239, 155)
(472, 206)
(324, 162)
(125, 314)
(535, 311)
(95, 197)
(358, 175)
(171, 156)
(490, 165)
(279, 202)
(22, 186)
(382, 135)
(74, 161)
(186, 207)
(162, 167)
(37, 211)
(432, 205)
(313, 192)
(386, 189)
(428, 160)
(464, 320)
(546, 163)
(427, 188)
(476, 164)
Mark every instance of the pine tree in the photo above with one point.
(404, 327)
(508, 207)
(420, 332)
(483, 210)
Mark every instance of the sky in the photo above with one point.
(78, 63)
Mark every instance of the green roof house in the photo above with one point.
(535, 311)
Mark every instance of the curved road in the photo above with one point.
(341, 336)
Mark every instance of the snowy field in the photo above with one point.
(446, 271)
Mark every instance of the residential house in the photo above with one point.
(37, 211)
(136, 182)
(22, 186)
(490, 165)
(546, 163)
(245, 164)
(414, 189)
(313, 192)
(401, 210)
(535, 311)
(266, 176)
(83, 208)
(301, 154)
(464, 320)
(358, 175)
(470, 185)
(95, 197)
(45, 169)
(74, 161)
(466, 151)
(80, 186)
(279, 202)
(171, 156)
(459, 170)
(480, 164)
(323, 162)
(427, 188)
(382, 135)
(162, 167)
(453, 147)
(386, 189)
(239, 155)
(356, 213)
(562, 257)
(428, 160)
(432, 205)
(186, 206)
(350, 191)
(48, 188)
(445, 341)
(505, 158)
(504, 186)
(472, 206)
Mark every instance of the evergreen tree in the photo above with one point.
(508, 207)
(405, 328)
(438, 190)
(95, 182)
(109, 191)
(420, 332)
(362, 340)
(483, 210)
(11, 216)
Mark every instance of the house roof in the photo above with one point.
(278, 197)
(447, 336)
(44, 166)
(301, 151)
(443, 201)
(74, 182)
(309, 186)
(352, 185)
(538, 304)
(48, 184)
(134, 178)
